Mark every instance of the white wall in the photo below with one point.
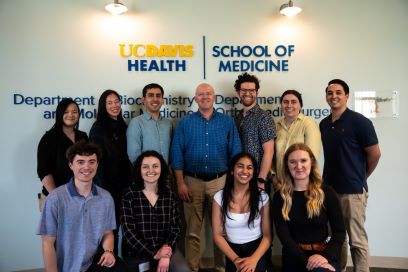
(71, 48)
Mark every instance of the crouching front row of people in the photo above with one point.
(78, 219)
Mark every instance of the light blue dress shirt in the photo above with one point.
(145, 133)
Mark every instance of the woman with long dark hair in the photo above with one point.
(109, 132)
(150, 218)
(52, 165)
(240, 218)
(303, 209)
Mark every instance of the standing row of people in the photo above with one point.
(203, 144)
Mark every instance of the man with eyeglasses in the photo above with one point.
(150, 131)
(256, 127)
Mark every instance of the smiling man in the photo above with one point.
(78, 218)
(256, 127)
(150, 131)
(203, 144)
(351, 153)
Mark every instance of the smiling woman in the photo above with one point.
(302, 211)
(109, 132)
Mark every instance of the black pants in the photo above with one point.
(246, 250)
(290, 264)
(119, 266)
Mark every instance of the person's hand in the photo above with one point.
(315, 261)
(183, 191)
(107, 259)
(163, 265)
(247, 264)
(277, 184)
(164, 252)
(328, 266)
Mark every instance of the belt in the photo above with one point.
(205, 177)
(316, 246)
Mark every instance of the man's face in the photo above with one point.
(84, 167)
(248, 93)
(205, 97)
(153, 100)
(336, 97)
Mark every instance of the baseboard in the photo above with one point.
(387, 262)
(375, 261)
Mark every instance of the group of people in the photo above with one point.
(122, 175)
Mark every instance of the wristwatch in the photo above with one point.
(261, 180)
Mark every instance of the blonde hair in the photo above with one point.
(314, 194)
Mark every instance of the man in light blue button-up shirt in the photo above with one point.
(150, 131)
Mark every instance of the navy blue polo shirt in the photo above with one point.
(345, 160)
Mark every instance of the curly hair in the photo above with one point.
(314, 194)
(245, 77)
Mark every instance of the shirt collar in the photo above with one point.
(73, 191)
(148, 116)
(212, 115)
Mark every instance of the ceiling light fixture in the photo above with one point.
(289, 9)
(116, 8)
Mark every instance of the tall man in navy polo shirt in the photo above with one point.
(203, 144)
(78, 219)
(256, 126)
(351, 153)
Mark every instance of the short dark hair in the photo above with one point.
(295, 93)
(245, 77)
(341, 82)
(152, 86)
(83, 148)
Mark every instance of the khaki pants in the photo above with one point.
(354, 212)
(202, 193)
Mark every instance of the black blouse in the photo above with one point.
(51, 158)
(301, 229)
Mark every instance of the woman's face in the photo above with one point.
(113, 106)
(150, 169)
(299, 164)
(243, 170)
(290, 105)
(71, 115)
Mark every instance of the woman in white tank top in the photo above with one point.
(241, 224)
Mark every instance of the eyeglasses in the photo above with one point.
(251, 91)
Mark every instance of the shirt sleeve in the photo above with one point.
(96, 136)
(46, 155)
(134, 140)
(175, 223)
(266, 128)
(177, 147)
(131, 234)
(337, 228)
(234, 142)
(49, 217)
(312, 136)
(283, 232)
(366, 133)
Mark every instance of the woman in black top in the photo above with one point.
(52, 165)
(302, 210)
(109, 132)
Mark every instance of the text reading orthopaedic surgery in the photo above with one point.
(174, 107)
